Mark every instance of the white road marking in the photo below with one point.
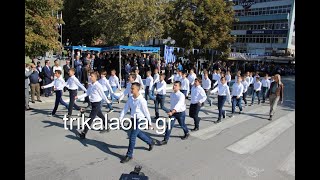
(225, 124)
(288, 165)
(263, 136)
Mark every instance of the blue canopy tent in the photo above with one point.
(81, 48)
(130, 48)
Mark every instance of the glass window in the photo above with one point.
(267, 39)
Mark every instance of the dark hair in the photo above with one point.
(136, 84)
(223, 77)
(162, 74)
(46, 61)
(198, 79)
(72, 69)
(177, 82)
(55, 60)
(95, 73)
(134, 76)
(58, 71)
(103, 72)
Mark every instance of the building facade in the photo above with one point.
(264, 27)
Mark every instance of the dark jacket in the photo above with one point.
(279, 90)
(34, 77)
(66, 72)
(47, 72)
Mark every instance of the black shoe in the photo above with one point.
(195, 129)
(224, 114)
(163, 142)
(270, 118)
(151, 145)
(219, 120)
(258, 102)
(126, 159)
(27, 109)
(32, 101)
(82, 135)
(240, 112)
(263, 101)
(231, 115)
(39, 100)
(185, 136)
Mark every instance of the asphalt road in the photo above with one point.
(247, 146)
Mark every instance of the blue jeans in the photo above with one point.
(95, 111)
(108, 104)
(236, 102)
(151, 93)
(264, 92)
(136, 132)
(181, 116)
(160, 100)
(114, 88)
(58, 100)
(221, 101)
(254, 94)
(184, 92)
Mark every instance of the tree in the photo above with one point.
(201, 24)
(41, 33)
(121, 22)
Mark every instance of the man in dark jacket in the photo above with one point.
(34, 83)
(48, 77)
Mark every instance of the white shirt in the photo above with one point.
(251, 80)
(206, 83)
(114, 81)
(185, 84)
(248, 79)
(139, 80)
(149, 82)
(177, 101)
(191, 78)
(254, 79)
(198, 95)
(161, 87)
(73, 84)
(176, 77)
(128, 89)
(257, 86)
(137, 106)
(245, 86)
(105, 84)
(156, 78)
(265, 83)
(223, 90)
(215, 76)
(237, 89)
(228, 78)
(56, 68)
(58, 83)
(95, 93)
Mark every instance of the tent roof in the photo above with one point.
(84, 48)
(134, 48)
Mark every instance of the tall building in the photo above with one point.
(264, 27)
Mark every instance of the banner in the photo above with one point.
(169, 57)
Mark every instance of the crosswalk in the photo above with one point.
(258, 139)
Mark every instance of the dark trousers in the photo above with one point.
(236, 102)
(72, 95)
(146, 92)
(212, 83)
(254, 94)
(194, 112)
(136, 132)
(184, 92)
(221, 101)
(95, 111)
(181, 117)
(250, 89)
(159, 100)
(58, 100)
(244, 97)
(264, 92)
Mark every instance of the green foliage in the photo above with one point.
(41, 34)
(114, 21)
(201, 24)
